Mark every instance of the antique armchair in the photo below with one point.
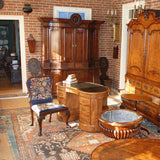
(40, 95)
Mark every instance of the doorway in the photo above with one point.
(21, 58)
(10, 64)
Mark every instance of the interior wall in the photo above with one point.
(44, 8)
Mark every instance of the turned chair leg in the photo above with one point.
(32, 117)
(40, 125)
(50, 117)
(41, 117)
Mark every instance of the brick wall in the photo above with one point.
(99, 9)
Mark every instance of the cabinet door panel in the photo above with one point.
(152, 67)
(81, 57)
(136, 50)
(45, 48)
(69, 47)
(55, 46)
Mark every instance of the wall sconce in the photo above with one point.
(31, 43)
(137, 9)
(27, 8)
(112, 15)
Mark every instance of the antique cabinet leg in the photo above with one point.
(135, 105)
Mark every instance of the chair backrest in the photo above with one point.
(40, 89)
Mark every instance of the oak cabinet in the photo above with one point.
(144, 48)
(143, 69)
(136, 50)
(69, 48)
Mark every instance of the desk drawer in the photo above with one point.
(61, 94)
(84, 101)
(84, 109)
(84, 118)
(61, 100)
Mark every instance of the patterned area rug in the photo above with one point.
(57, 141)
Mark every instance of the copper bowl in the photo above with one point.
(120, 123)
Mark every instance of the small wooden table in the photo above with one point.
(128, 149)
(136, 98)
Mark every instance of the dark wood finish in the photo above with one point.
(70, 49)
(50, 112)
(85, 101)
(143, 71)
(43, 114)
(128, 149)
(119, 129)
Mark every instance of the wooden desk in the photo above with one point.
(128, 149)
(85, 101)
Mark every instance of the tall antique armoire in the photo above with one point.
(70, 46)
(143, 69)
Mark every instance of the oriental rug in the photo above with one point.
(57, 141)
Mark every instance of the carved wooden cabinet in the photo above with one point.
(70, 48)
(143, 70)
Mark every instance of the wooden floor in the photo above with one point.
(9, 90)
(6, 87)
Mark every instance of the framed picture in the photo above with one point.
(117, 32)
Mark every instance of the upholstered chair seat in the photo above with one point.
(40, 94)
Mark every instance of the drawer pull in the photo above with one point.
(156, 91)
(133, 80)
(147, 109)
(145, 87)
(138, 84)
(151, 87)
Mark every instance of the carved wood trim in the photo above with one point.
(135, 67)
(141, 19)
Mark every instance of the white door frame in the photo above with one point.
(22, 47)
(124, 40)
